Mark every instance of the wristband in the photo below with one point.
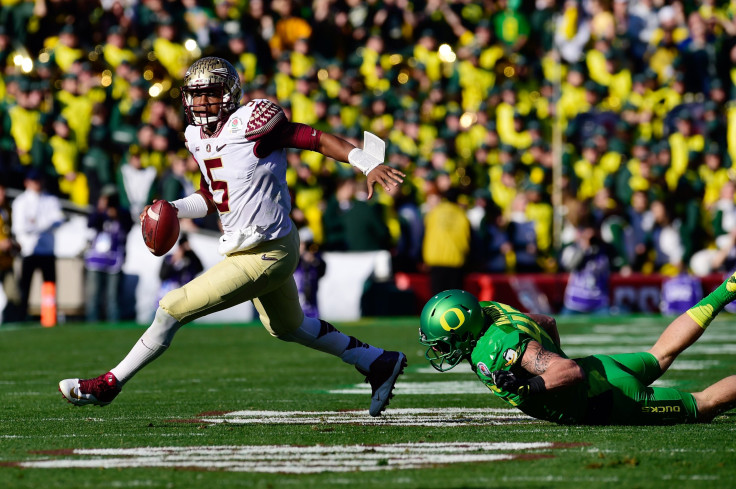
(362, 160)
(535, 385)
(191, 206)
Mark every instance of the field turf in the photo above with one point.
(228, 406)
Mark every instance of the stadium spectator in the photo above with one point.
(174, 183)
(136, 184)
(288, 28)
(698, 55)
(179, 267)
(503, 179)
(408, 250)
(25, 121)
(588, 259)
(721, 256)
(641, 22)
(540, 212)
(510, 26)
(115, 50)
(680, 292)
(309, 270)
(523, 236)
(14, 17)
(665, 238)
(172, 55)
(495, 250)
(9, 249)
(640, 224)
(447, 240)
(351, 224)
(103, 260)
(97, 162)
(613, 228)
(477, 212)
(713, 174)
(65, 159)
(35, 216)
(572, 32)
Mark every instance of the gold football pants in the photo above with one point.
(264, 274)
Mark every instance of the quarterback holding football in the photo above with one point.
(519, 358)
(241, 152)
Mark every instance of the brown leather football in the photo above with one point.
(160, 227)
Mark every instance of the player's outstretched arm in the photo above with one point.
(369, 160)
(375, 171)
(554, 370)
(550, 370)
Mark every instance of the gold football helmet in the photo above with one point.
(217, 78)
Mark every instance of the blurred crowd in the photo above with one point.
(524, 127)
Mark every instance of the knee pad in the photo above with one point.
(163, 328)
(174, 303)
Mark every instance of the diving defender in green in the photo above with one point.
(518, 356)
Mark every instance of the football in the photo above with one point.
(160, 227)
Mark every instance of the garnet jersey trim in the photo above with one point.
(263, 118)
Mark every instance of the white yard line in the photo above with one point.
(291, 459)
(395, 417)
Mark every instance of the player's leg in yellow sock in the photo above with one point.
(688, 327)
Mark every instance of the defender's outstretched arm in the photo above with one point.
(550, 370)
(556, 371)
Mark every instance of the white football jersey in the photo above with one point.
(250, 193)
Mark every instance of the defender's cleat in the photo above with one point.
(382, 376)
(99, 391)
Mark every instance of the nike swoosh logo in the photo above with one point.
(314, 132)
(219, 148)
(267, 258)
(73, 393)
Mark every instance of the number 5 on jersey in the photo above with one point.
(220, 194)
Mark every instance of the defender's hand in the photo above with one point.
(509, 382)
(385, 176)
(506, 381)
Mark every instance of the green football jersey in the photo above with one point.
(501, 348)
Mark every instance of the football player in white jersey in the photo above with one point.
(240, 150)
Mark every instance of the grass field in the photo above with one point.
(228, 406)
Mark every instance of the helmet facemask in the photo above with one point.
(200, 114)
(217, 79)
(443, 353)
(450, 325)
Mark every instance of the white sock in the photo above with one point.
(142, 353)
(321, 335)
(150, 346)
